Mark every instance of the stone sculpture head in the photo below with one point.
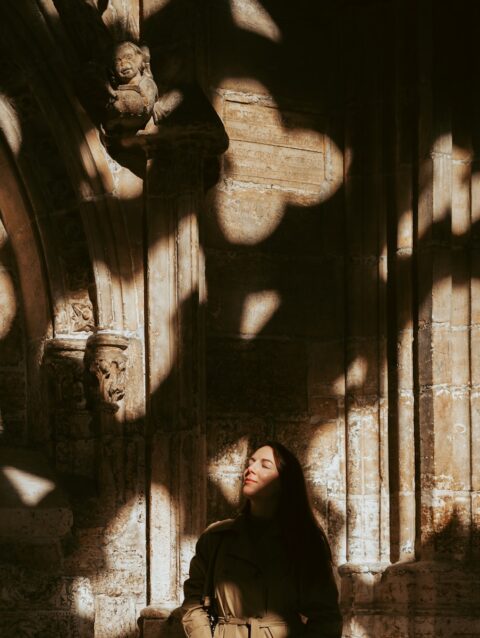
(128, 62)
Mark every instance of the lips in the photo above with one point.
(247, 480)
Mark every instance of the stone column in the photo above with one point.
(400, 229)
(365, 324)
(70, 420)
(443, 432)
(175, 294)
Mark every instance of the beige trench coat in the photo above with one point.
(256, 596)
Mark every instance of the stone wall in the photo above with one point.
(168, 301)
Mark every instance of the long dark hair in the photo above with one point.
(305, 541)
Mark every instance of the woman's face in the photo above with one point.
(261, 478)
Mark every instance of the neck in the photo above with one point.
(135, 80)
(265, 509)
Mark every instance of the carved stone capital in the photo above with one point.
(106, 364)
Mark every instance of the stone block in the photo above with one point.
(85, 554)
(33, 506)
(460, 439)
(435, 354)
(475, 354)
(362, 297)
(284, 167)
(323, 409)
(362, 374)
(12, 391)
(77, 457)
(264, 123)
(460, 353)
(246, 56)
(326, 374)
(315, 444)
(224, 491)
(460, 287)
(280, 220)
(13, 625)
(262, 376)
(295, 297)
(13, 429)
(475, 499)
(115, 616)
(475, 285)
(229, 439)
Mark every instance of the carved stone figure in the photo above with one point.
(106, 364)
(133, 92)
(82, 316)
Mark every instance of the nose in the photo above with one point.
(250, 469)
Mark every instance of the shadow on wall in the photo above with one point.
(294, 260)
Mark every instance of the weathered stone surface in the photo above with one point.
(265, 376)
(33, 506)
(301, 294)
(330, 282)
(35, 604)
(116, 616)
(281, 220)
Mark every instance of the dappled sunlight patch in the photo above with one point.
(250, 15)
(357, 372)
(248, 217)
(10, 125)
(229, 485)
(278, 159)
(30, 488)
(226, 468)
(8, 303)
(258, 309)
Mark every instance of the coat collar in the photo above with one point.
(240, 542)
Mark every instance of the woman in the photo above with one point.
(268, 572)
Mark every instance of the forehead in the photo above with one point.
(124, 49)
(264, 452)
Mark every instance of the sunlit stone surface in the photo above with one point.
(291, 252)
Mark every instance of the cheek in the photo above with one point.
(274, 484)
(270, 479)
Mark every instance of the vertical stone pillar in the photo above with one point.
(175, 292)
(70, 419)
(105, 373)
(366, 378)
(434, 327)
(401, 301)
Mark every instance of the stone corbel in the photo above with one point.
(105, 367)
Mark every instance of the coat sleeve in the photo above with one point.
(194, 617)
(319, 604)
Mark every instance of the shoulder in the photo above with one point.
(211, 538)
(216, 530)
(220, 526)
(147, 82)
